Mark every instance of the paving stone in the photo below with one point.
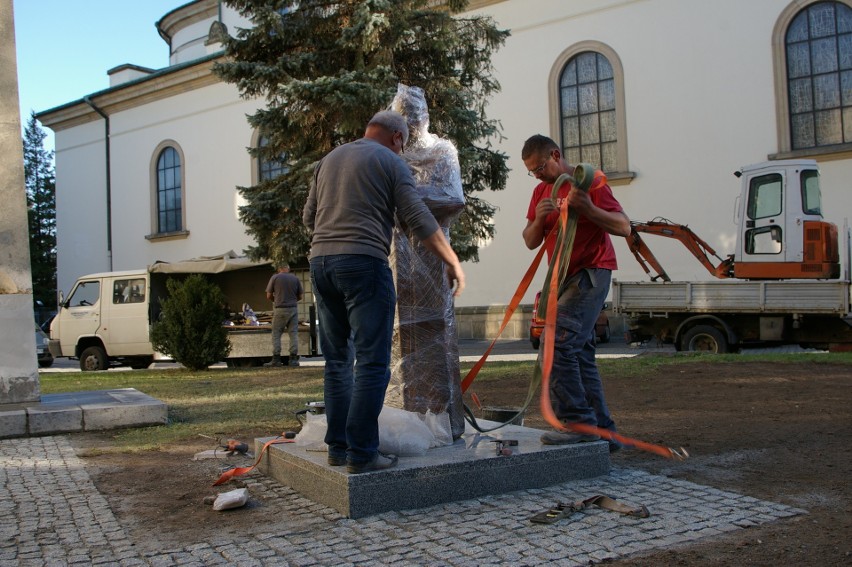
(59, 516)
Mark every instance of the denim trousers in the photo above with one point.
(355, 305)
(285, 319)
(576, 390)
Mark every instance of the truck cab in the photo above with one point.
(105, 309)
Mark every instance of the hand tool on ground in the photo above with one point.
(502, 446)
(233, 446)
(565, 509)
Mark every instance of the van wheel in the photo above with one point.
(704, 338)
(94, 358)
(141, 363)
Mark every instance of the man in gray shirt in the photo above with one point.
(285, 291)
(358, 189)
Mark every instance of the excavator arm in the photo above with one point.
(663, 227)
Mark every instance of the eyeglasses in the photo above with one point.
(537, 171)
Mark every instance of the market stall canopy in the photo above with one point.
(227, 262)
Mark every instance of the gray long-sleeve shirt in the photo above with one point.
(356, 190)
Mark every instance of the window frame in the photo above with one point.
(155, 233)
(782, 98)
(259, 162)
(622, 175)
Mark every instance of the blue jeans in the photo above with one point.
(355, 304)
(575, 388)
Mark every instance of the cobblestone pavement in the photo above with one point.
(52, 514)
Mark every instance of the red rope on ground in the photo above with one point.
(238, 471)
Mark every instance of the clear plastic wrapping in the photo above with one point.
(424, 359)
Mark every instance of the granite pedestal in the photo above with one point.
(470, 468)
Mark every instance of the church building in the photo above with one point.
(668, 97)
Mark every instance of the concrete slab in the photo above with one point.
(98, 417)
(95, 410)
(13, 421)
(48, 419)
(470, 468)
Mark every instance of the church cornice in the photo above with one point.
(163, 84)
(186, 15)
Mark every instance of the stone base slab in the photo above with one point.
(95, 410)
(470, 468)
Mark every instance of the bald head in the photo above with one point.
(389, 128)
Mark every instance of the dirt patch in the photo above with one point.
(778, 432)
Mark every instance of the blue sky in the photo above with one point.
(65, 47)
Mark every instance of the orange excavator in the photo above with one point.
(781, 231)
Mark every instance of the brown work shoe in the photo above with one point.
(380, 462)
(566, 438)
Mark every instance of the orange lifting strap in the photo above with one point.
(556, 270)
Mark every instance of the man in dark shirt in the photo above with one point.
(358, 190)
(285, 291)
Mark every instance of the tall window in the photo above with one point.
(270, 168)
(169, 207)
(818, 45)
(587, 107)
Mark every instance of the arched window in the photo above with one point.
(169, 192)
(587, 108)
(269, 168)
(819, 75)
(813, 73)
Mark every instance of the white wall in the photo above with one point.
(210, 128)
(81, 241)
(700, 103)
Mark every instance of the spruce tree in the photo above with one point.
(190, 328)
(325, 67)
(40, 185)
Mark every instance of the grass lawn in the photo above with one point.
(259, 401)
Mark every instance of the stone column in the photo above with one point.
(18, 366)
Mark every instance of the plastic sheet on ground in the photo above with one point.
(402, 433)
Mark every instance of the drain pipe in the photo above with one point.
(88, 100)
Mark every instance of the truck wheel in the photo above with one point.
(141, 363)
(704, 338)
(94, 358)
(606, 336)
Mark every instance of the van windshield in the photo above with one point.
(85, 294)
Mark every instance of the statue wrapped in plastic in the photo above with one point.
(424, 360)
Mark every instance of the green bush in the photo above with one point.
(190, 326)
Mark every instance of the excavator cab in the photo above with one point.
(781, 231)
